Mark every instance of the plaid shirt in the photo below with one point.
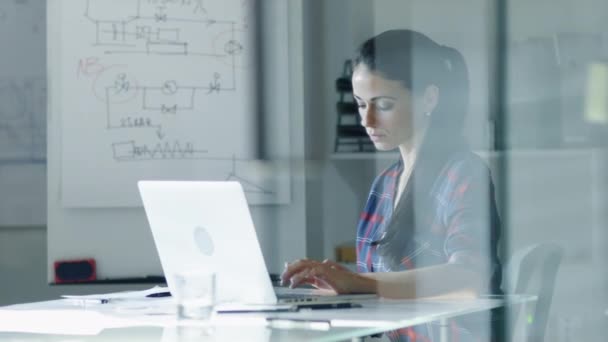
(463, 228)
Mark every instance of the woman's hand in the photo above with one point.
(327, 275)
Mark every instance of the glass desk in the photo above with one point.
(152, 320)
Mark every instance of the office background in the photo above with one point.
(554, 188)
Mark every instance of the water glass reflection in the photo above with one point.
(195, 294)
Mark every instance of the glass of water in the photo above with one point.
(195, 294)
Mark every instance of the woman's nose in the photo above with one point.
(368, 117)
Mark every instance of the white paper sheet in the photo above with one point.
(62, 322)
(125, 295)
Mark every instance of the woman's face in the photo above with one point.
(386, 108)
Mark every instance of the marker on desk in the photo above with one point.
(159, 294)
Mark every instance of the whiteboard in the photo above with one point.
(22, 113)
(157, 90)
(118, 237)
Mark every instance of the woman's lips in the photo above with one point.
(376, 137)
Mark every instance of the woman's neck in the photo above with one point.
(409, 151)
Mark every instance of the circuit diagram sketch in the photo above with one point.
(128, 105)
(161, 89)
(141, 31)
(154, 30)
(248, 185)
(169, 28)
(22, 83)
(131, 151)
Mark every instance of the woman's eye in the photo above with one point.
(361, 105)
(385, 105)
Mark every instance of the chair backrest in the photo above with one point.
(533, 270)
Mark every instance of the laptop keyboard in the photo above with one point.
(297, 295)
(304, 297)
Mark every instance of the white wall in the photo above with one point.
(23, 269)
(336, 189)
(464, 25)
(546, 17)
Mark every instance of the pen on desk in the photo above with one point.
(93, 301)
(317, 306)
(88, 301)
(297, 323)
(254, 310)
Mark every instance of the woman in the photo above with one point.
(430, 226)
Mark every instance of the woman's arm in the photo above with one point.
(446, 280)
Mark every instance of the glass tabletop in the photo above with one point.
(375, 316)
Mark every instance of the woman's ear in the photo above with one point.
(430, 98)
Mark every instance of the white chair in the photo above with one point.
(533, 270)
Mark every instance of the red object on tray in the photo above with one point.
(75, 271)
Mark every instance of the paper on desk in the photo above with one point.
(122, 295)
(62, 322)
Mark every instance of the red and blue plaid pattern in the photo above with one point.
(463, 228)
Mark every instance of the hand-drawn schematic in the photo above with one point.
(23, 120)
(22, 83)
(23, 128)
(163, 89)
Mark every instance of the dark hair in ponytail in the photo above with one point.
(417, 62)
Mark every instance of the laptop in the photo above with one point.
(207, 226)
